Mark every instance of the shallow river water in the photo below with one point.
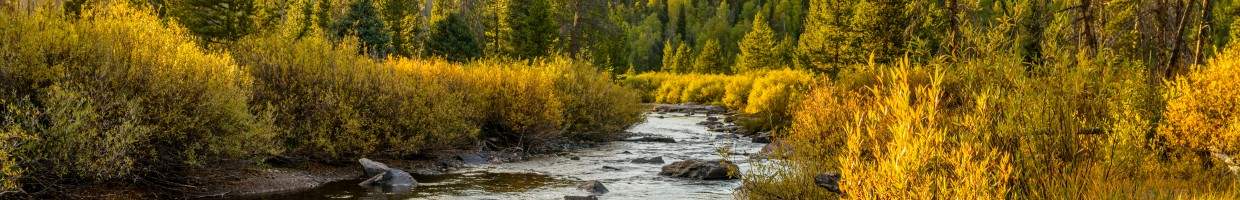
(554, 177)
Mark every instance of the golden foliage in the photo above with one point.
(982, 129)
(107, 95)
(118, 93)
(1203, 107)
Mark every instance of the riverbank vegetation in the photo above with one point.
(763, 95)
(116, 95)
(1029, 104)
(977, 100)
(1053, 99)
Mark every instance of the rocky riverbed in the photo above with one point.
(628, 169)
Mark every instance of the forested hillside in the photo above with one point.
(1002, 99)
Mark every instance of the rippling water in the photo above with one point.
(557, 176)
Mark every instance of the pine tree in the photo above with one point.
(784, 51)
(643, 51)
(707, 60)
(756, 48)
(669, 58)
(683, 58)
(403, 22)
(881, 27)
(363, 21)
(215, 20)
(532, 28)
(453, 40)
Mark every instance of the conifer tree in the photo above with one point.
(532, 28)
(453, 40)
(707, 60)
(669, 57)
(683, 58)
(214, 20)
(756, 48)
(363, 21)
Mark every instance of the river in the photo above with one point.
(553, 177)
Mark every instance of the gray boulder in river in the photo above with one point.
(701, 170)
(763, 137)
(650, 160)
(593, 187)
(384, 176)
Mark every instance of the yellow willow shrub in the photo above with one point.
(117, 92)
(736, 92)
(899, 147)
(521, 101)
(705, 89)
(671, 90)
(647, 83)
(595, 107)
(445, 104)
(1203, 107)
(332, 102)
(815, 138)
(774, 91)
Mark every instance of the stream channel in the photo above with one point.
(553, 177)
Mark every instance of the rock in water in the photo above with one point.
(763, 137)
(473, 159)
(593, 187)
(701, 170)
(828, 180)
(591, 197)
(371, 168)
(650, 160)
(384, 176)
(650, 139)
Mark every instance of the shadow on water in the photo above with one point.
(455, 184)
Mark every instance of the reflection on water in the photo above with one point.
(457, 184)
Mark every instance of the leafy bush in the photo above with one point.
(116, 94)
(594, 105)
(407, 106)
(736, 92)
(1203, 108)
(647, 83)
(984, 129)
(774, 91)
(766, 95)
(522, 102)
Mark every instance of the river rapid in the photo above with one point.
(553, 177)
